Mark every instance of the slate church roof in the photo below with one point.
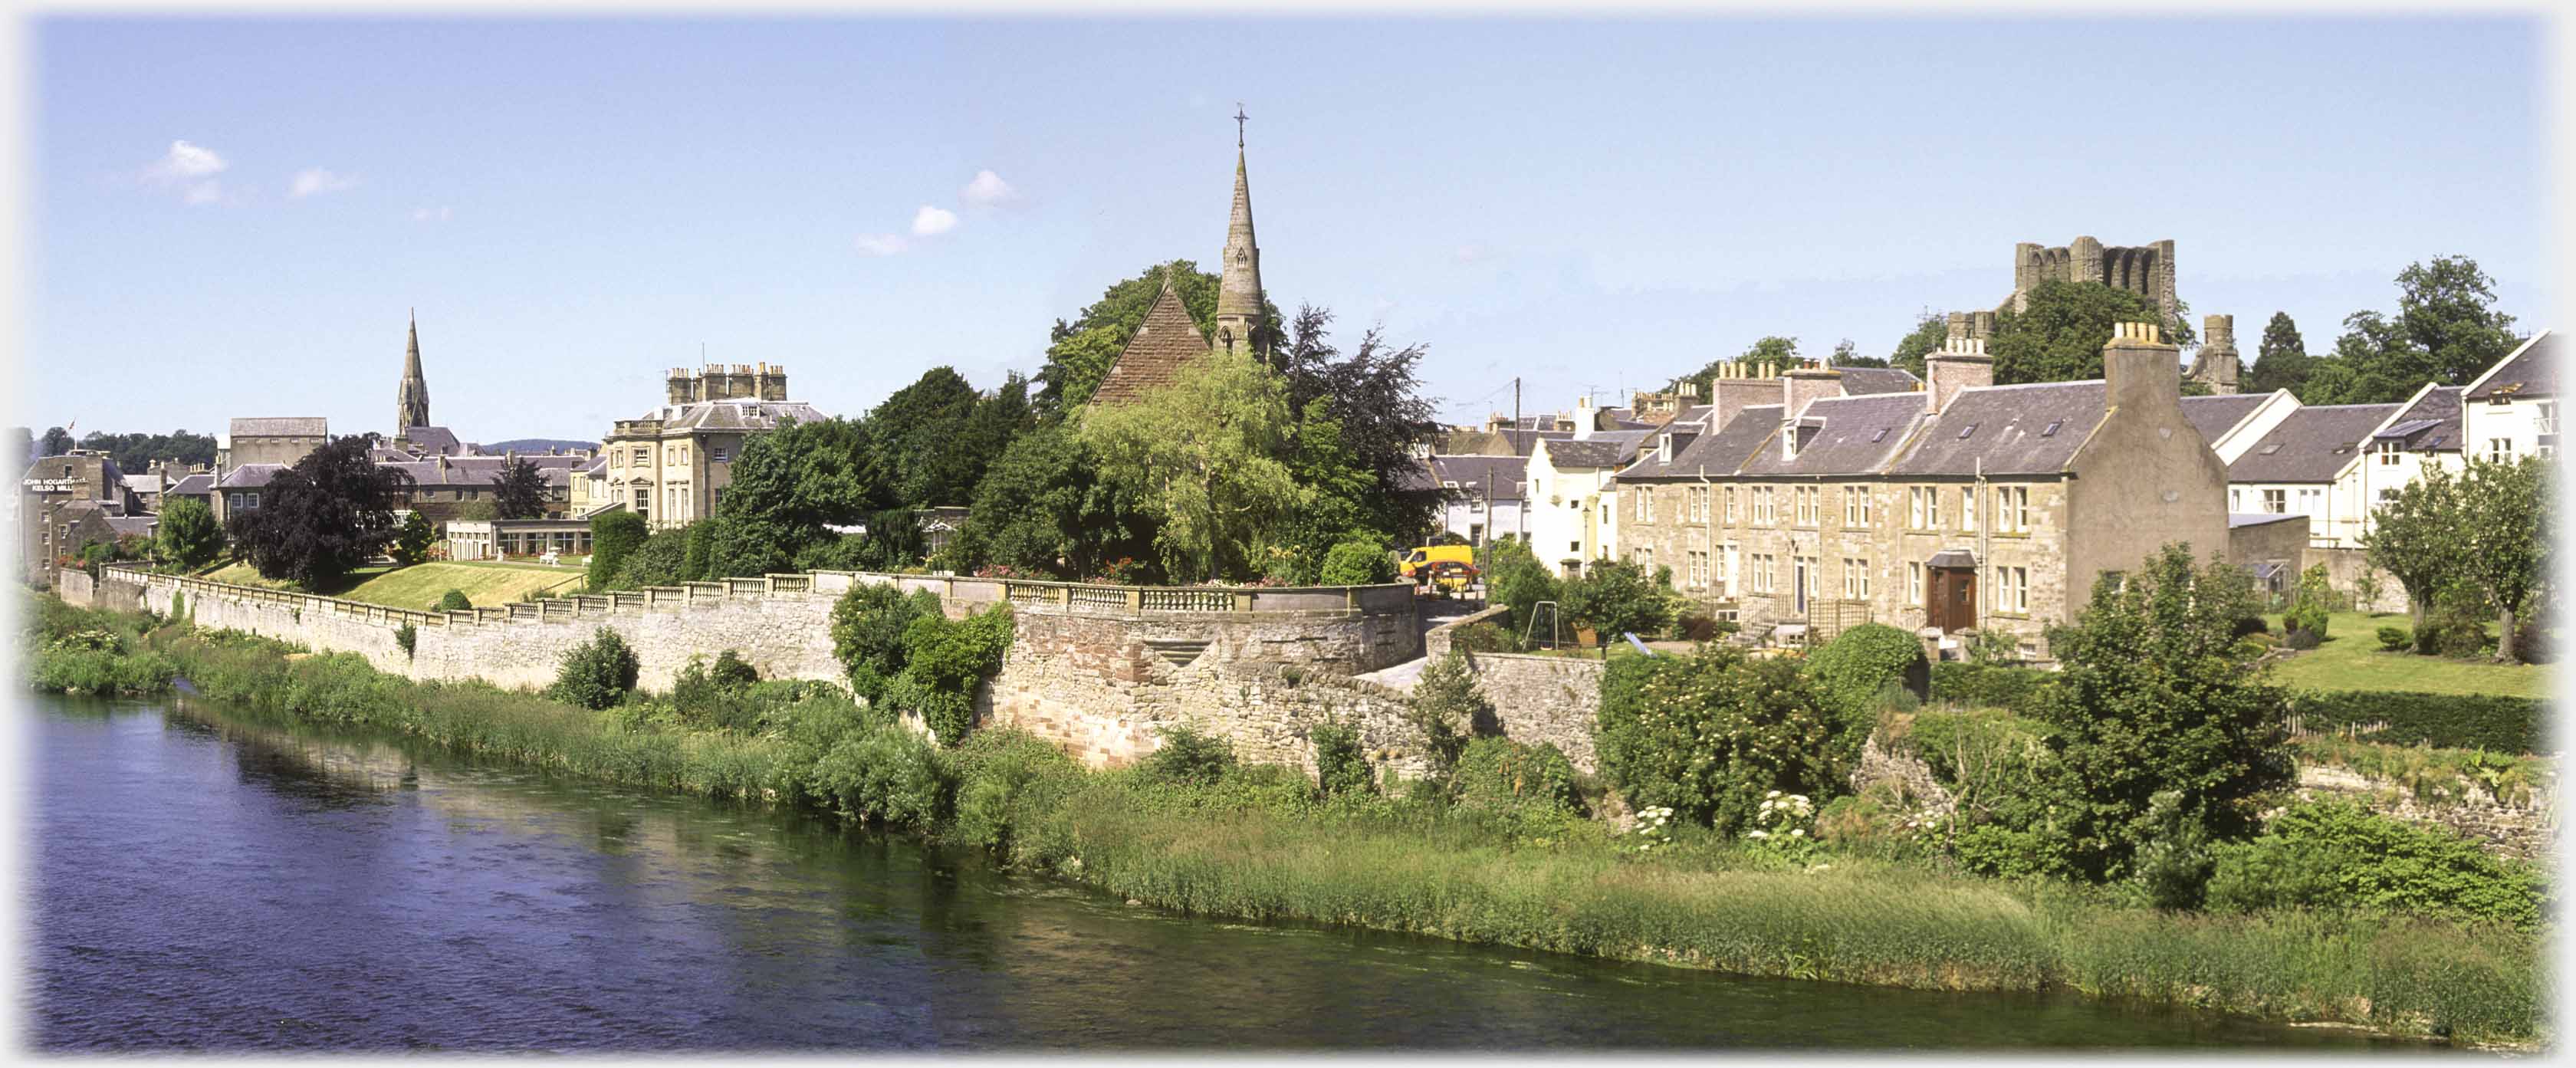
(1166, 341)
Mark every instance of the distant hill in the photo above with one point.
(533, 445)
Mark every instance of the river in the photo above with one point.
(203, 883)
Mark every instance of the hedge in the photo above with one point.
(2451, 721)
(2016, 689)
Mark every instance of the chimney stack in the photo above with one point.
(1740, 386)
(2140, 368)
(1960, 363)
(1807, 383)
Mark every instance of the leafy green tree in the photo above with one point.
(455, 601)
(188, 534)
(1079, 353)
(916, 447)
(702, 538)
(1516, 579)
(1448, 707)
(1711, 734)
(1615, 597)
(868, 627)
(656, 562)
(2310, 603)
(1203, 455)
(1778, 351)
(2283, 361)
(1357, 563)
(1854, 671)
(945, 660)
(1847, 354)
(612, 537)
(2446, 330)
(1931, 329)
(137, 452)
(788, 485)
(2059, 336)
(1379, 420)
(2158, 694)
(1338, 493)
(1042, 508)
(412, 540)
(2505, 524)
(56, 442)
(520, 492)
(598, 673)
(322, 517)
(2416, 538)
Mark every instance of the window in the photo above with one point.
(1914, 582)
(616, 457)
(2012, 509)
(722, 455)
(1815, 582)
(1932, 508)
(2017, 589)
(1856, 506)
(2276, 501)
(1645, 560)
(1856, 579)
(643, 497)
(2236, 500)
(2309, 500)
(1806, 498)
(1645, 502)
(1574, 546)
(1914, 508)
(1766, 509)
(1730, 504)
(1967, 507)
(2547, 422)
(2388, 451)
(2500, 450)
(643, 457)
(2387, 494)
(1605, 513)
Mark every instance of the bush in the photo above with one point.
(1357, 563)
(2310, 603)
(1613, 597)
(715, 698)
(1707, 735)
(1991, 686)
(2339, 855)
(732, 671)
(2531, 643)
(2302, 639)
(2396, 639)
(2451, 631)
(1499, 772)
(405, 636)
(1340, 766)
(944, 662)
(1447, 707)
(868, 626)
(1483, 638)
(1853, 672)
(454, 601)
(1188, 757)
(1005, 780)
(612, 536)
(597, 673)
(2251, 625)
(2452, 721)
(1517, 580)
(885, 775)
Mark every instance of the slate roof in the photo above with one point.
(1852, 436)
(2431, 424)
(251, 476)
(131, 524)
(143, 483)
(433, 439)
(729, 414)
(486, 470)
(1522, 441)
(1166, 341)
(381, 454)
(1476, 443)
(1718, 454)
(2216, 414)
(196, 485)
(2312, 445)
(2256, 519)
(284, 426)
(2007, 430)
(1504, 475)
(1600, 451)
(2532, 372)
(1863, 381)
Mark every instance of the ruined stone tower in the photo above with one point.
(411, 401)
(2216, 364)
(1238, 298)
(2146, 270)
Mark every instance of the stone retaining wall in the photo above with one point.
(1544, 699)
(2526, 829)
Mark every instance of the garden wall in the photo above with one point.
(2345, 566)
(2526, 828)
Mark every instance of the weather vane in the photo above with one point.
(1239, 116)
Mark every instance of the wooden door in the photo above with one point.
(1954, 598)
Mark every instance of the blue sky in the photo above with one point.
(231, 218)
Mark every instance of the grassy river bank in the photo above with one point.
(1260, 843)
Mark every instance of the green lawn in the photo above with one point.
(420, 586)
(2351, 659)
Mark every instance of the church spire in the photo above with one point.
(411, 401)
(1239, 306)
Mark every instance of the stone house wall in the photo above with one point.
(2344, 567)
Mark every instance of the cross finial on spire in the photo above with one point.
(1239, 118)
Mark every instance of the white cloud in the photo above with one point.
(439, 214)
(988, 189)
(930, 220)
(316, 180)
(881, 244)
(185, 161)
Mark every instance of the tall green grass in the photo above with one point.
(1262, 843)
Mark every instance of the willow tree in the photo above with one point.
(1205, 457)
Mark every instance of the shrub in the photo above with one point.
(1853, 672)
(1991, 686)
(884, 775)
(1614, 597)
(2396, 639)
(715, 698)
(2331, 854)
(1498, 772)
(2531, 643)
(1340, 766)
(1483, 638)
(612, 536)
(597, 673)
(1517, 580)
(1357, 563)
(2456, 721)
(1699, 627)
(2451, 630)
(2173, 860)
(454, 601)
(868, 626)
(1447, 707)
(1188, 757)
(2310, 603)
(732, 672)
(944, 662)
(405, 636)
(1708, 735)
(179, 607)
(2251, 625)
(2302, 639)
(1005, 780)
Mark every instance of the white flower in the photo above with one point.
(1774, 793)
(1798, 833)
(1759, 834)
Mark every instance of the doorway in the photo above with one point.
(1952, 604)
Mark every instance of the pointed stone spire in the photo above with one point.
(411, 401)
(1238, 298)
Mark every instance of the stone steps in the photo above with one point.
(1177, 652)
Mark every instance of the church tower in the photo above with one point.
(1238, 299)
(412, 400)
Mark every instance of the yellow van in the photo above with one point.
(1432, 554)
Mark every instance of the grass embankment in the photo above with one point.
(2350, 659)
(419, 586)
(1258, 843)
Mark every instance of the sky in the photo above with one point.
(233, 218)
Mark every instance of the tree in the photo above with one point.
(1381, 419)
(56, 442)
(612, 537)
(188, 534)
(413, 539)
(2157, 694)
(1847, 354)
(2505, 526)
(693, 564)
(1203, 456)
(597, 673)
(788, 486)
(520, 492)
(656, 562)
(1042, 508)
(1079, 353)
(1931, 329)
(1517, 580)
(2283, 361)
(913, 443)
(22, 448)
(323, 516)
(2059, 336)
(455, 601)
(2416, 538)
(137, 452)
(1614, 597)
(1781, 352)
(2446, 330)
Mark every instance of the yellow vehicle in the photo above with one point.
(1432, 554)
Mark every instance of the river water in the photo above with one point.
(199, 882)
